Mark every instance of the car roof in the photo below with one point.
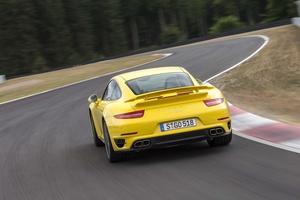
(151, 71)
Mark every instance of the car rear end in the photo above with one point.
(169, 117)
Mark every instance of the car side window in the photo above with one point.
(116, 94)
(108, 91)
(112, 91)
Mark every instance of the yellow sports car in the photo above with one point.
(157, 107)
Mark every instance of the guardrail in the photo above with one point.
(2, 78)
(298, 7)
(296, 20)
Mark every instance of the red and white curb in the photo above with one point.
(263, 130)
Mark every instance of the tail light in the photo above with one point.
(131, 115)
(213, 102)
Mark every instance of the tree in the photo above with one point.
(18, 37)
(53, 33)
(108, 29)
(171, 34)
(226, 24)
(280, 9)
(130, 10)
(149, 28)
(231, 7)
(79, 22)
(36, 35)
(197, 15)
(251, 10)
(159, 6)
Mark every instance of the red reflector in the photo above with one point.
(130, 115)
(128, 133)
(213, 102)
(223, 118)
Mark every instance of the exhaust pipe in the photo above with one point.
(213, 132)
(219, 131)
(146, 143)
(138, 144)
(142, 143)
(216, 131)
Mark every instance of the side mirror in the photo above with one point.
(199, 81)
(93, 98)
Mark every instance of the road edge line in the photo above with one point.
(253, 54)
(20, 98)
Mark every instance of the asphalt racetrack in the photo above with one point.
(47, 150)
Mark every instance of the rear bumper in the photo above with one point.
(180, 138)
(176, 139)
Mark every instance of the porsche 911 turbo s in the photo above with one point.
(157, 107)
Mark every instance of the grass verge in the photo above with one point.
(20, 87)
(269, 83)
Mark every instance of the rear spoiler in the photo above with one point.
(173, 92)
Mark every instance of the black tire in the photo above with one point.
(112, 156)
(97, 141)
(218, 141)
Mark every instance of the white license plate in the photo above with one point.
(178, 124)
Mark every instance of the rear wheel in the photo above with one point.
(218, 141)
(112, 156)
(97, 141)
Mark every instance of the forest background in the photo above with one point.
(42, 35)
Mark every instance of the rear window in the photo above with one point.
(159, 82)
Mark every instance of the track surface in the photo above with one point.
(47, 152)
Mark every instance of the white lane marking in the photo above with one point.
(165, 55)
(264, 44)
(247, 121)
(276, 145)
